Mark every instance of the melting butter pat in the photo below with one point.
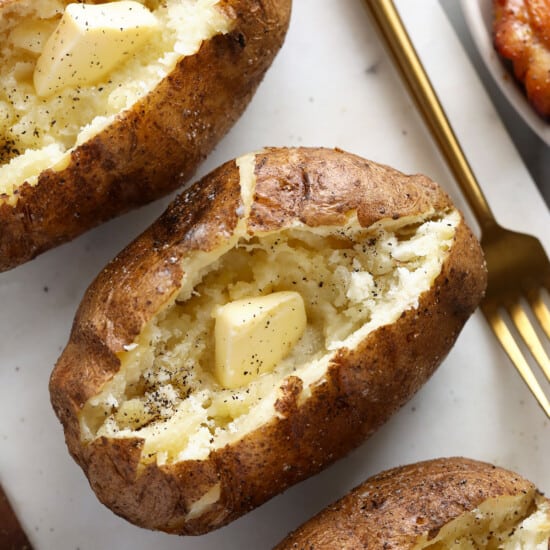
(89, 41)
(32, 34)
(253, 334)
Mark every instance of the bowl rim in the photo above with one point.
(478, 15)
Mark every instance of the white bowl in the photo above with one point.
(479, 15)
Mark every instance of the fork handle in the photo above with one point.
(400, 46)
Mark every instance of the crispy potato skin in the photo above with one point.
(362, 388)
(154, 147)
(392, 509)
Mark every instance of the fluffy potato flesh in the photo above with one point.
(39, 132)
(352, 280)
(505, 523)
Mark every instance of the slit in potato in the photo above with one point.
(502, 523)
(352, 280)
(38, 132)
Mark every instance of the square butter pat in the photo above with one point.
(253, 334)
(89, 41)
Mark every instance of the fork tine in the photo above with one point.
(509, 344)
(540, 310)
(525, 328)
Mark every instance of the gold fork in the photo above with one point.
(518, 266)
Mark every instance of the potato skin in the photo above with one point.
(392, 509)
(362, 387)
(154, 147)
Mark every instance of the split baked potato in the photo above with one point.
(273, 317)
(130, 115)
(436, 505)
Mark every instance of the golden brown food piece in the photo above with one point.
(521, 30)
(436, 505)
(388, 273)
(82, 155)
(11, 532)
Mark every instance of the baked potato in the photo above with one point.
(437, 504)
(275, 315)
(82, 140)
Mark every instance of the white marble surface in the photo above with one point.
(332, 85)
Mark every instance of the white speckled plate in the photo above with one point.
(478, 15)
